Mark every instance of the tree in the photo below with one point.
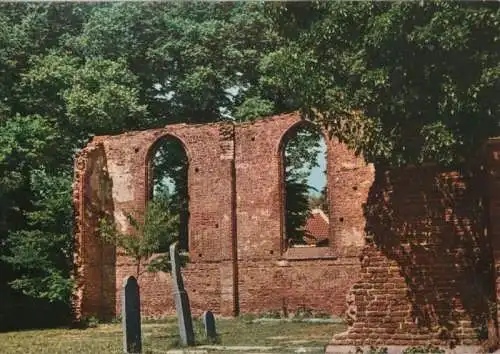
(321, 201)
(297, 210)
(71, 71)
(158, 228)
(399, 82)
(33, 235)
(187, 56)
(42, 252)
(301, 149)
(170, 183)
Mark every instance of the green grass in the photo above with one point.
(160, 336)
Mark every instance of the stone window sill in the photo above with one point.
(308, 253)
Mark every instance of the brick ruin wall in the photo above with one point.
(235, 206)
(426, 272)
(409, 248)
(429, 269)
(94, 260)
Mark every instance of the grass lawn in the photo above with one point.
(160, 336)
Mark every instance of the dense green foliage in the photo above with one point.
(402, 82)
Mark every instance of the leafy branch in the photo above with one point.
(157, 230)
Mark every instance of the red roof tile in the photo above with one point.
(316, 228)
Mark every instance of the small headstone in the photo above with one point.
(131, 316)
(181, 299)
(209, 324)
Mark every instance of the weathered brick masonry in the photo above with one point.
(410, 249)
(238, 262)
(94, 260)
(429, 270)
(426, 270)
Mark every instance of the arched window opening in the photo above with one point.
(305, 188)
(168, 192)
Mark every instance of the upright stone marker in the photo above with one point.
(131, 316)
(181, 299)
(209, 324)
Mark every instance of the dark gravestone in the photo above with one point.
(209, 324)
(181, 299)
(131, 316)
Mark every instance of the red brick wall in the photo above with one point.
(426, 274)
(209, 150)
(202, 281)
(320, 285)
(271, 276)
(235, 205)
(209, 182)
(94, 260)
